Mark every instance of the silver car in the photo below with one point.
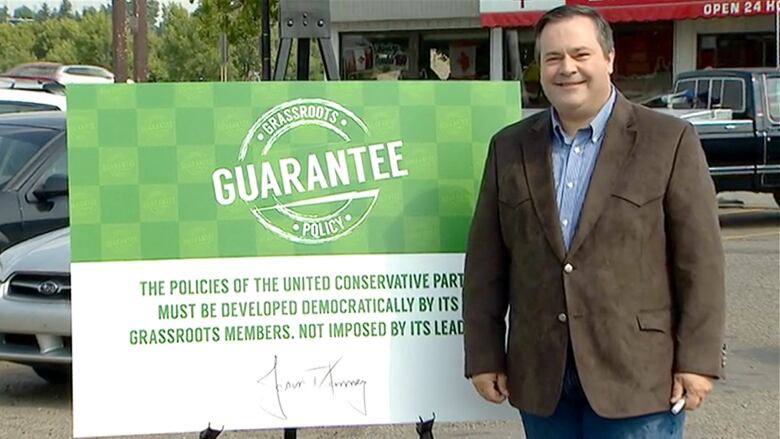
(35, 305)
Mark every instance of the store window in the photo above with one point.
(736, 50)
(436, 55)
(456, 55)
(643, 60)
(378, 56)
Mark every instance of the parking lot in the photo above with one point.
(745, 405)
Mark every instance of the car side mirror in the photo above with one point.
(54, 186)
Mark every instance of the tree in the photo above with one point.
(65, 10)
(240, 20)
(183, 46)
(181, 53)
(93, 40)
(52, 33)
(24, 12)
(152, 12)
(44, 13)
(89, 10)
(17, 45)
(63, 52)
(4, 15)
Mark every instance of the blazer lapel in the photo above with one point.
(618, 142)
(537, 159)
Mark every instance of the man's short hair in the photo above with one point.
(566, 12)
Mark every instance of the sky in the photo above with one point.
(78, 4)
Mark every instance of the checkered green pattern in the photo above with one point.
(141, 159)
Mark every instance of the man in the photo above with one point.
(596, 228)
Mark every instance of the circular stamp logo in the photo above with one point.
(300, 189)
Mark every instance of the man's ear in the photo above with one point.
(611, 61)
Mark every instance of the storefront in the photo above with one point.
(654, 39)
(430, 54)
(493, 39)
(421, 39)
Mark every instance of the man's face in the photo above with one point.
(574, 68)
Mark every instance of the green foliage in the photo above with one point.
(152, 12)
(44, 13)
(93, 42)
(65, 10)
(183, 46)
(24, 12)
(16, 43)
(50, 34)
(181, 49)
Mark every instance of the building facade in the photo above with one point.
(493, 39)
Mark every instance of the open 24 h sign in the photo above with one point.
(273, 255)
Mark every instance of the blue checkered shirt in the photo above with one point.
(573, 161)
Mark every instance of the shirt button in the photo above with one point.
(565, 222)
(568, 268)
(562, 317)
(570, 185)
(577, 150)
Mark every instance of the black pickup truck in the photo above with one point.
(737, 115)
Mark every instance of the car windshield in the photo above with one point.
(18, 145)
(88, 71)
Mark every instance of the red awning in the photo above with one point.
(648, 10)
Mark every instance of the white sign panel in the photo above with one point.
(239, 343)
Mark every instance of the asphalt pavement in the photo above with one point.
(746, 405)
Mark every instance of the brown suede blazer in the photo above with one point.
(640, 294)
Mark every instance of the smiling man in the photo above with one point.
(596, 229)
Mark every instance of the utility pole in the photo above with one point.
(119, 40)
(140, 43)
(224, 56)
(265, 40)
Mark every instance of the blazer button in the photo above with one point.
(568, 268)
(562, 317)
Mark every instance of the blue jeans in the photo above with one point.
(575, 419)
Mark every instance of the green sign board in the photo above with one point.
(294, 248)
(168, 171)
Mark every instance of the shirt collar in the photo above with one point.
(597, 126)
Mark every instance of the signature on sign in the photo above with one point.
(324, 380)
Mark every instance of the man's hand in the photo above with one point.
(491, 386)
(694, 387)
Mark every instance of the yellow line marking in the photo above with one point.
(752, 235)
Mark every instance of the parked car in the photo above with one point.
(64, 74)
(737, 115)
(15, 101)
(19, 95)
(35, 316)
(33, 175)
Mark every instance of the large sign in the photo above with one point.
(273, 255)
(509, 13)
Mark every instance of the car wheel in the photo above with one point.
(54, 374)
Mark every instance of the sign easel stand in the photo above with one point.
(305, 20)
